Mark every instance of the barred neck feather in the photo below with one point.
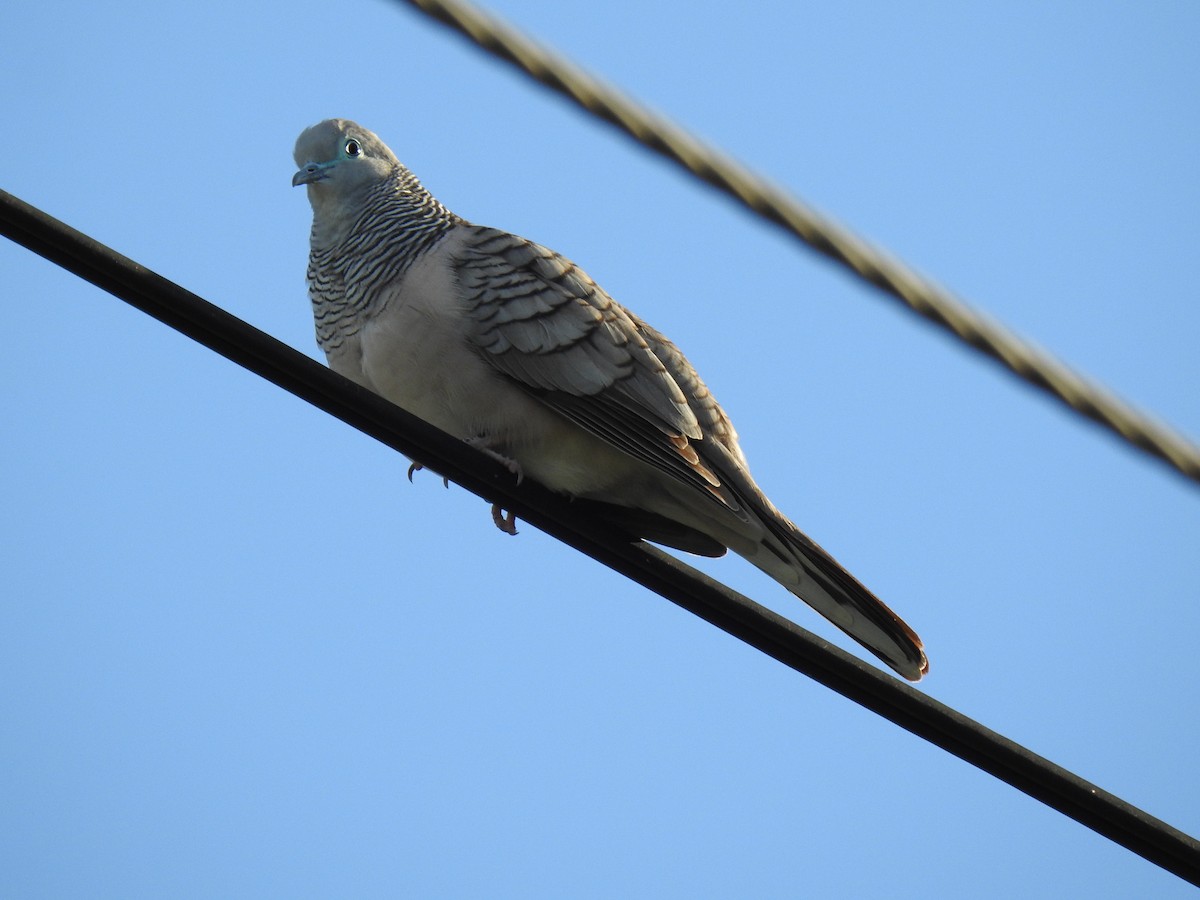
(361, 247)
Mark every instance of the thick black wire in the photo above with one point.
(710, 600)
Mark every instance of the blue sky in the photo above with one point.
(242, 656)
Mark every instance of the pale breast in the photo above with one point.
(414, 352)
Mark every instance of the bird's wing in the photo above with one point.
(545, 324)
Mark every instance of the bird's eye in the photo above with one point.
(353, 148)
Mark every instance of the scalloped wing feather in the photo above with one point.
(543, 322)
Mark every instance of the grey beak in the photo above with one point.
(311, 173)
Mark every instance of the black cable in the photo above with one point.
(710, 600)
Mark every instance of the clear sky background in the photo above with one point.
(240, 655)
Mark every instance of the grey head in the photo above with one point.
(350, 172)
(343, 165)
(338, 156)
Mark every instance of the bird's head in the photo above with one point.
(338, 158)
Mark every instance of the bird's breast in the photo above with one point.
(415, 352)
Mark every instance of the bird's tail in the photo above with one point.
(734, 512)
(804, 568)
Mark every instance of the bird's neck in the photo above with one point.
(362, 247)
(398, 211)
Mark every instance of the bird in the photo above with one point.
(511, 347)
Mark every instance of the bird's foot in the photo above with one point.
(417, 467)
(481, 444)
(506, 523)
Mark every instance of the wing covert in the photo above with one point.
(540, 320)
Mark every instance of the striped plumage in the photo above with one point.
(509, 345)
(398, 221)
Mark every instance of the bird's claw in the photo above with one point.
(481, 444)
(505, 522)
(417, 467)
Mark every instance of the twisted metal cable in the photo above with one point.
(869, 263)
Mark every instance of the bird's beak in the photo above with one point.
(311, 173)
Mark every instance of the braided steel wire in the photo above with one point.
(897, 280)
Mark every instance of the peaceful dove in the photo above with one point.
(508, 345)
